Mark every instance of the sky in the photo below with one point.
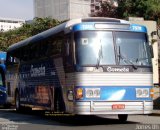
(19, 9)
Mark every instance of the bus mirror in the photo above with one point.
(151, 51)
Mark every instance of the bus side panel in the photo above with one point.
(37, 83)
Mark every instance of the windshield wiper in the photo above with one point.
(125, 59)
(138, 60)
(141, 59)
(100, 56)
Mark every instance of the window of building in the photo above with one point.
(97, 7)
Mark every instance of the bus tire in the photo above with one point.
(7, 106)
(122, 117)
(17, 101)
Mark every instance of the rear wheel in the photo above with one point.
(123, 117)
(7, 105)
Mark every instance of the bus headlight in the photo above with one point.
(142, 92)
(92, 92)
(89, 93)
(146, 92)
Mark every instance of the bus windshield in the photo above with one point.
(95, 47)
(134, 48)
(98, 47)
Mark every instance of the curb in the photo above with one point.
(155, 113)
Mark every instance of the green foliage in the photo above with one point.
(107, 10)
(148, 9)
(25, 31)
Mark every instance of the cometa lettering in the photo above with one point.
(110, 69)
(37, 71)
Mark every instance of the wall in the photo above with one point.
(62, 9)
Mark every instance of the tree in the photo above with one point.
(108, 9)
(42, 24)
(148, 9)
(132, 8)
(27, 30)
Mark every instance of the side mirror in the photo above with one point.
(151, 51)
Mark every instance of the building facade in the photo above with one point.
(62, 9)
(68, 9)
(8, 24)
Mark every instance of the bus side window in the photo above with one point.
(68, 51)
(54, 46)
(67, 47)
(12, 60)
(9, 59)
(34, 52)
(24, 54)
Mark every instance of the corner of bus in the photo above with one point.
(3, 92)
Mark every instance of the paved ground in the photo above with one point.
(11, 120)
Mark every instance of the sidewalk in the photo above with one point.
(155, 112)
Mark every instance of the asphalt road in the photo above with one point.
(11, 120)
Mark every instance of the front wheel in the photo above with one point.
(123, 117)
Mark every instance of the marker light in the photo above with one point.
(152, 93)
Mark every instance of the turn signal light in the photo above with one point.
(79, 93)
(152, 93)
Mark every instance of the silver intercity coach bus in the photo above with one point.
(86, 66)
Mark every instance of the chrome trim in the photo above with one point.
(94, 107)
(113, 79)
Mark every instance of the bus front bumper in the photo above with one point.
(99, 107)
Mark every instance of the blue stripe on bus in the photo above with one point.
(84, 26)
(118, 93)
(138, 28)
(91, 26)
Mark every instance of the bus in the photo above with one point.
(3, 94)
(86, 66)
(2, 57)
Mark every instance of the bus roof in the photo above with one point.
(37, 37)
(64, 27)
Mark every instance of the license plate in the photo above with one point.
(118, 106)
